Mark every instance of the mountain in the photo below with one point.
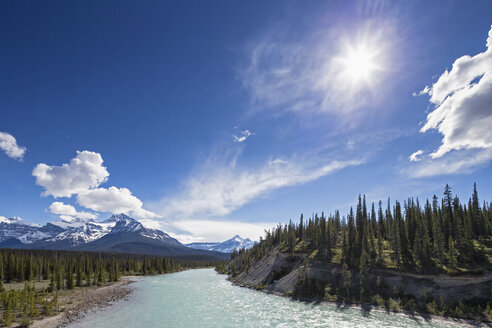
(120, 233)
(17, 231)
(228, 246)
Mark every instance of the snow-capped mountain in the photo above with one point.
(80, 231)
(125, 224)
(17, 232)
(25, 232)
(119, 233)
(228, 246)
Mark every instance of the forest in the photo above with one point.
(31, 279)
(439, 236)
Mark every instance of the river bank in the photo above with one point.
(76, 303)
(306, 279)
(369, 308)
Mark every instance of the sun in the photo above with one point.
(359, 64)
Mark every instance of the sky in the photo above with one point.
(210, 119)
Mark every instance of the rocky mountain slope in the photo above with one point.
(280, 272)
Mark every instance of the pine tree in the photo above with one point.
(364, 266)
(52, 285)
(347, 279)
(78, 282)
(351, 242)
(452, 255)
(292, 241)
(396, 243)
(437, 232)
(69, 277)
(59, 277)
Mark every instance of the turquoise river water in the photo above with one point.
(202, 298)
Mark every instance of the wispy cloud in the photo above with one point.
(462, 114)
(415, 157)
(189, 231)
(218, 188)
(309, 75)
(456, 162)
(243, 135)
(9, 145)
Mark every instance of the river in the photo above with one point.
(202, 298)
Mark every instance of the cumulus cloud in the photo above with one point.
(463, 104)
(218, 190)
(462, 114)
(242, 136)
(114, 200)
(68, 212)
(9, 145)
(84, 172)
(82, 178)
(415, 157)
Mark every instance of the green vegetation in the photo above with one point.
(442, 237)
(53, 271)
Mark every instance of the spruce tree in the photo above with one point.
(452, 255)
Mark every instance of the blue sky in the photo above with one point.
(209, 119)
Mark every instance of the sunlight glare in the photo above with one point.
(359, 64)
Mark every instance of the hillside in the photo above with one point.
(434, 260)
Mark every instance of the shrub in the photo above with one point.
(432, 308)
(394, 305)
(377, 299)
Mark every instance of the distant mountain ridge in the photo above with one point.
(228, 246)
(119, 233)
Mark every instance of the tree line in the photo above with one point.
(68, 269)
(440, 235)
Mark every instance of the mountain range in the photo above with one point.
(120, 233)
(228, 246)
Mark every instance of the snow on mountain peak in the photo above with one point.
(17, 220)
(119, 217)
(76, 231)
(228, 246)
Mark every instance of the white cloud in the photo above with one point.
(463, 100)
(84, 172)
(68, 212)
(82, 177)
(218, 189)
(463, 115)
(242, 136)
(114, 200)
(9, 145)
(415, 157)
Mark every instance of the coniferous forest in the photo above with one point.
(31, 279)
(440, 236)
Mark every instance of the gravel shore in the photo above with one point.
(78, 302)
